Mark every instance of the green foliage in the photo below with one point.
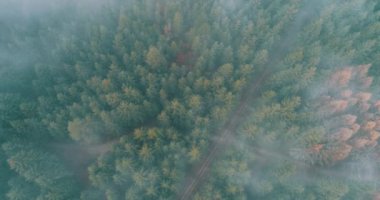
(21, 189)
(40, 168)
(146, 88)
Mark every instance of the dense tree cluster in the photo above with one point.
(143, 88)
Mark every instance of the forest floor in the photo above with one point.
(79, 156)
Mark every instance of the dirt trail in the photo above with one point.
(198, 174)
(216, 148)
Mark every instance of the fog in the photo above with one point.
(122, 92)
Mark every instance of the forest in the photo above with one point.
(201, 99)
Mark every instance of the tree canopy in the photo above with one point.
(202, 99)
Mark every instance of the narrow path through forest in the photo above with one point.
(199, 173)
(227, 131)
